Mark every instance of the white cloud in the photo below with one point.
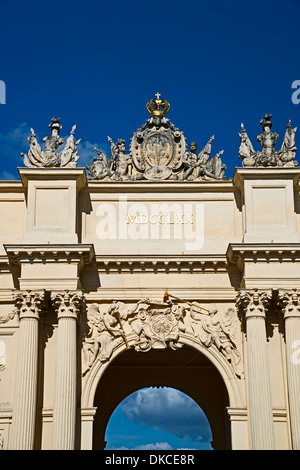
(169, 410)
(87, 153)
(6, 175)
(15, 137)
(15, 140)
(151, 446)
(156, 446)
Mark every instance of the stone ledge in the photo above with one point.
(238, 253)
(17, 254)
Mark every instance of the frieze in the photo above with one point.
(159, 324)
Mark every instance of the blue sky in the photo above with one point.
(96, 64)
(158, 419)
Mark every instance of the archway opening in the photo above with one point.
(187, 370)
(160, 418)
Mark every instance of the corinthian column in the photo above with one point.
(253, 305)
(290, 302)
(28, 305)
(64, 408)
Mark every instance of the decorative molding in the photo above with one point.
(239, 253)
(54, 253)
(67, 303)
(253, 303)
(194, 263)
(29, 303)
(289, 302)
(216, 294)
(158, 324)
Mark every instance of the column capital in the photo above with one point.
(67, 303)
(29, 303)
(253, 303)
(289, 302)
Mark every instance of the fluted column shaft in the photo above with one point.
(292, 339)
(258, 376)
(25, 395)
(64, 407)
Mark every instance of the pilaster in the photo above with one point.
(67, 304)
(253, 305)
(290, 303)
(29, 305)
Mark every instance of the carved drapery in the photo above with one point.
(151, 324)
(253, 305)
(289, 301)
(68, 305)
(29, 305)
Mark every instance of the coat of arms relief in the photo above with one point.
(157, 152)
(154, 324)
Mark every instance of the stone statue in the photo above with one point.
(158, 153)
(194, 163)
(215, 167)
(100, 167)
(104, 328)
(246, 151)
(213, 328)
(268, 156)
(49, 158)
(200, 166)
(69, 155)
(288, 150)
(121, 162)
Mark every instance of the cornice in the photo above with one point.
(17, 254)
(58, 174)
(164, 186)
(239, 253)
(163, 263)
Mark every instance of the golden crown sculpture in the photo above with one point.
(158, 107)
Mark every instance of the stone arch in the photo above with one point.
(213, 355)
(100, 376)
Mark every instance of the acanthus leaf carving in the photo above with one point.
(289, 302)
(253, 303)
(29, 303)
(67, 303)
